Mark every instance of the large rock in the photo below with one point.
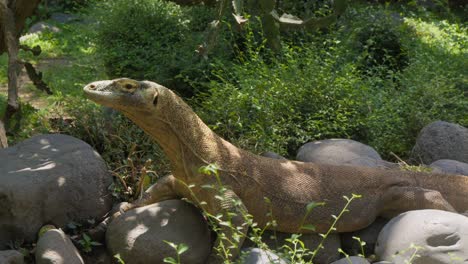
(440, 237)
(50, 179)
(138, 235)
(54, 247)
(450, 166)
(11, 257)
(441, 140)
(341, 152)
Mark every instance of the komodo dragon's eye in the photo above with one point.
(127, 86)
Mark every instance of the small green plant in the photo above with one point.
(362, 244)
(119, 259)
(87, 243)
(179, 248)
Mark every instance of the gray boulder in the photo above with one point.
(352, 260)
(260, 256)
(341, 152)
(54, 247)
(368, 235)
(139, 234)
(50, 179)
(438, 237)
(11, 257)
(441, 140)
(450, 166)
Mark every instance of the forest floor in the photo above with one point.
(27, 92)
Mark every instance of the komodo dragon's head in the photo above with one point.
(126, 95)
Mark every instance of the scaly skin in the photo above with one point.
(289, 185)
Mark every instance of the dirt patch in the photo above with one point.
(26, 90)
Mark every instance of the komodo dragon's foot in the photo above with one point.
(97, 233)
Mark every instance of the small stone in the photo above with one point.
(260, 256)
(329, 252)
(352, 260)
(11, 257)
(54, 247)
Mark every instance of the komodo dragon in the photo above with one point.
(290, 185)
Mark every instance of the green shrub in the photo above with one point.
(152, 39)
(330, 85)
(410, 89)
(279, 104)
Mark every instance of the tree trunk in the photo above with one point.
(3, 138)
(13, 14)
(12, 46)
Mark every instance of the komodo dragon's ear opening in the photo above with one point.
(155, 98)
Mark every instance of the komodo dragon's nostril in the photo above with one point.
(92, 86)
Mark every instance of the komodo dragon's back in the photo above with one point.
(291, 185)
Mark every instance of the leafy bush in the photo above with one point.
(152, 39)
(333, 86)
(278, 105)
(411, 88)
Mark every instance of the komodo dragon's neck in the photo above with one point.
(183, 135)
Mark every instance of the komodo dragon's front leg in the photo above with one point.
(163, 189)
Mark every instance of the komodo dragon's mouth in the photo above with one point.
(99, 87)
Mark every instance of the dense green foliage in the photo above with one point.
(375, 78)
(378, 75)
(155, 41)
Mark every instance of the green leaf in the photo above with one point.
(172, 245)
(86, 238)
(312, 205)
(170, 260)
(308, 227)
(119, 259)
(182, 248)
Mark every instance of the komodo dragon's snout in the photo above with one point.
(124, 94)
